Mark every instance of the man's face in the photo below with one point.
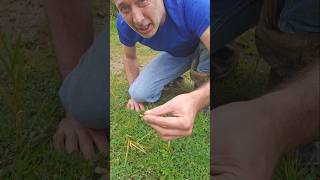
(143, 16)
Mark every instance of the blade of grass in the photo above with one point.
(127, 152)
(145, 135)
(142, 150)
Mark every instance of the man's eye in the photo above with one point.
(124, 9)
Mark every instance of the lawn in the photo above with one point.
(249, 80)
(185, 158)
(32, 155)
(29, 106)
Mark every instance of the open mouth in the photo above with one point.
(145, 29)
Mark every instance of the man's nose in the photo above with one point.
(137, 15)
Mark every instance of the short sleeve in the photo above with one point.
(126, 35)
(197, 14)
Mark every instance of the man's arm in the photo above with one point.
(265, 128)
(296, 108)
(72, 31)
(201, 96)
(130, 63)
(132, 71)
(205, 38)
(203, 93)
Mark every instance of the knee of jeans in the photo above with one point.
(89, 117)
(140, 94)
(84, 110)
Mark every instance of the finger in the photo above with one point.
(141, 106)
(167, 122)
(71, 142)
(136, 107)
(100, 139)
(131, 106)
(170, 132)
(58, 140)
(160, 110)
(85, 144)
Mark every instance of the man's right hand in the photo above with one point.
(133, 105)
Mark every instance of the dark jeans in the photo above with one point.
(231, 18)
(300, 16)
(85, 93)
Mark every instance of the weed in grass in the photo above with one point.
(11, 90)
(169, 148)
(131, 144)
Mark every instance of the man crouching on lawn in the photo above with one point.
(181, 30)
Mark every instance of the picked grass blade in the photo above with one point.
(130, 144)
(138, 147)
(127, 152)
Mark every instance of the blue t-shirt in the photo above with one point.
(180, 34)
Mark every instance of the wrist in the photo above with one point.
(201, 97)
(292, 123)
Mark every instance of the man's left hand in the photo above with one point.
(173, 119)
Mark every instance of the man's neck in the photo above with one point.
(163, 18)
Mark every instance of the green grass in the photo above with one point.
(290, 169)
(185, 158)
(33, 156)
(29, 83)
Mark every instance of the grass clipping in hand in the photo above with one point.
(169, 149)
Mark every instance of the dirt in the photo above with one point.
(25, 17)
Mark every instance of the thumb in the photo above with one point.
(160, 110)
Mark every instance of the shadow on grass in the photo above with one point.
(33, 156)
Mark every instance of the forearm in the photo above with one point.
(72, 31)
(294, 110)
(201, 96)
(132, 69)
